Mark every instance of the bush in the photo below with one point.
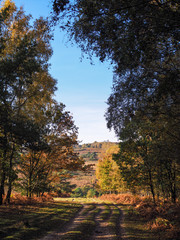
(23, 200)
(77, 193)
(91, 193)
(86, 191)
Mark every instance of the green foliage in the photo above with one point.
(86, 191)
(77, 193)
(24, 57)
(64, 186)
(143, 163)
(91, 193)
(91, 156)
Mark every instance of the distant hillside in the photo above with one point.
(91, 152)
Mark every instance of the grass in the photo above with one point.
(144, 220)
(30, 222)
(135, 226)
(89, 208)
(20, 222)
(80, 200)
(105, 214)
(114, 221)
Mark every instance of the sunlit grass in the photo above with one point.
(81, 200)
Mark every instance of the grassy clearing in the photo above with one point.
(25, 222)
(81, 200)
(19, 222)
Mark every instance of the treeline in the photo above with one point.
(37, 134)
(101, 145)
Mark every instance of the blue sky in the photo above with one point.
(82, 87)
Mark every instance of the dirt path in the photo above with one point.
(103, 230)
(56, 235)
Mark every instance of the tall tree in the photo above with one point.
(25, 50)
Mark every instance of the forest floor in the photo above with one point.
(98, 220)
(73, 219)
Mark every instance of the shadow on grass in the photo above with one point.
(31, 222)
(135, 226)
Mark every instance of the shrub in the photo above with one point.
(91, 193)
(162, 217)
(21, 200)
(159, 224)
(77, 192)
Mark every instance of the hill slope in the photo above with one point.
(91, 152)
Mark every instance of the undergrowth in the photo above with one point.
(162, 218)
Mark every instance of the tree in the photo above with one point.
(62, 138)
(145, 160)
(35, 173)
(40, 169)
(22, 56)
(108, 175)
(63, 185)
(123, 31)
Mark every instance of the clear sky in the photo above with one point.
(82, 87)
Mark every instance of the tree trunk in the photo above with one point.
(151, 186)
(8, 196)
(173, 187)
(30, 186)
(10, 177)
(3, 174)
(2, 187)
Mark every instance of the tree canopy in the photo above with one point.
(141, 39)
